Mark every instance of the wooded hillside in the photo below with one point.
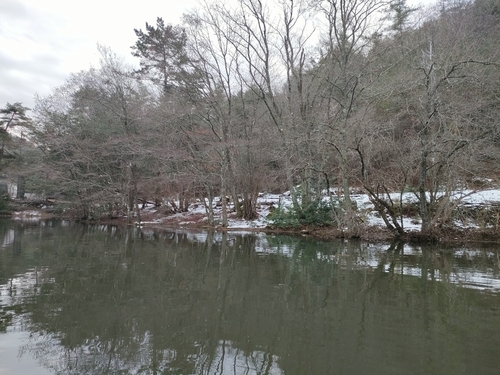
(306, 96)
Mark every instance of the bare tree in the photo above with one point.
(216, 61)
(272, 43)
(450, 68)
(90, 129)
(348, 72)
(436, 113)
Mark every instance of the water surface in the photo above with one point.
(101, 300)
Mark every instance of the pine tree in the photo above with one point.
(162, 54)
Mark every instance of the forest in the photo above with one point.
(321, 98)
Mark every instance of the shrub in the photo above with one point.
(317, 213)
(5, 208)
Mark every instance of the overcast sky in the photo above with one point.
(43, 41)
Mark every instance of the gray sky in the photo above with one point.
(43, 41)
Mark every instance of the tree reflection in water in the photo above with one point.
(101, 300)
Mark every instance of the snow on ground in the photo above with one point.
(481, 197)
(364, 205)
(28, 216)
(266, 202)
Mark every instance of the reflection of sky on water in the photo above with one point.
(96, 356)
(20, 287)
(46, 349)
(230, 360)
(226, 360)
(8, 238)
(47, 355)
(470, 268)
(15, 293)
(10, 362)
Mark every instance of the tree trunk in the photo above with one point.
(423, 206)
(21, 187)
(209, 205)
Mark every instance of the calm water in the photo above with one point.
(101, 300)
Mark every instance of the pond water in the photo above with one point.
(102, 300)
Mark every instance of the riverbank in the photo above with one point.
(483, 226)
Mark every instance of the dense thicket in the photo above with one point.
(306, 96)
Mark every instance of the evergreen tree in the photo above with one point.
(162, 54)
(400, 13)
(10, 116)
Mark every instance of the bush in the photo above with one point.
(5, 208)
(317, 213)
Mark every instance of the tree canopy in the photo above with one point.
(162, 53)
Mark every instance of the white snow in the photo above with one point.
(365, 208)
